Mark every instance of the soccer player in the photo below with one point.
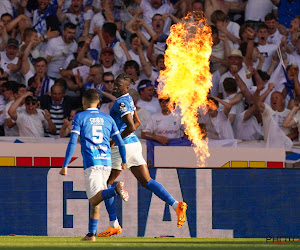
(95, 129)
(124, 113)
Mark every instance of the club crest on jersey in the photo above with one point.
(122, 107)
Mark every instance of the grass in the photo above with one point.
(122, 243)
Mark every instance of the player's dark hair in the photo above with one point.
(91, 95)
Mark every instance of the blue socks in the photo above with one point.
(110, 205)
(160, 191)
(93, 223)
(108, 193)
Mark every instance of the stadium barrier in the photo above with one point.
(229, 198)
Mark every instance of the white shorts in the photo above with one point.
(96, 179)
(134, 156)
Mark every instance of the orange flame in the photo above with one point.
(187, 79)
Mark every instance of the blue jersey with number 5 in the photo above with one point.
(95, 129)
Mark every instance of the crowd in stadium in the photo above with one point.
(51, 51)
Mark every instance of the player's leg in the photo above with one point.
(141, 173)
(114, 226)
(93, 223)
(96, 189)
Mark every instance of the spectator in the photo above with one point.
(10, 62)
(44, 17)
(236, 65)
(163, 125)
(10, 127)
(58, 105)
(143, 114)
(66, 128)
(287, 11)
(230, 29)
(272, 24)
(59, 48)
(147, 99)
(276, 112)
(265, 49)
(75, 14)
(216, 122)
(31, 121)
(107, 98)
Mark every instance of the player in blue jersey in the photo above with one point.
(125, 114)
(95, 129)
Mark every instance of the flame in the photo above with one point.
(187, 79)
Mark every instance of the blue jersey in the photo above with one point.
(95, 129)
(122, 106)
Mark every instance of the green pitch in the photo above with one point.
(122, 243)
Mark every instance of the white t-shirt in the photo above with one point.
(4, 63)
(267, 51)
(31, 125)
(149, 12)
(296, 118)
(144, 116)
(97, 21)
(278, 117)
(6, 7)
(275, 38)
(256, 10)
(2, 106)
(242, 74)
(218, 128)
(248, 130)
(218, 52)
(59, 51)
(165, 125)
(234, 29)
(152, 106)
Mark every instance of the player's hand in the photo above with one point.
(63, 171)
(124, 165)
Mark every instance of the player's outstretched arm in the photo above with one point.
(69, 153)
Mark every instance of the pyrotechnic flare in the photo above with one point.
(187, 79)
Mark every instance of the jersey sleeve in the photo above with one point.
(76, 125)
(124, 108)
(114, 130)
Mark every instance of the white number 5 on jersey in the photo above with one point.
(97, 134)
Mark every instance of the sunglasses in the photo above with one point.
(166, 100)
(32, 102)
(109, 81)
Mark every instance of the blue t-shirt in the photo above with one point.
(122, 106)
(95, 129)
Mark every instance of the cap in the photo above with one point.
(13, 42)
(236, 52)
(107, 50)
(145, 85)
(31, 98)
